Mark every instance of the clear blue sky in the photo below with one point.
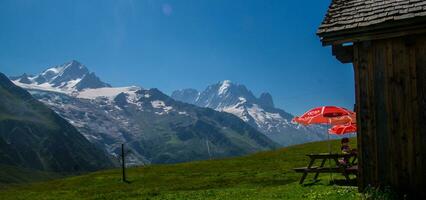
(268, 45)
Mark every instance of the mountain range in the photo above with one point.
(260, 112)
(153, 126)
(33, 136)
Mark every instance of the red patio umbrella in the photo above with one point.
(326, 115)
(343, 129)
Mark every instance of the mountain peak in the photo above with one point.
(76, 65)
(68, 77)
(75, 62)
(72, 65)
(226, 82)
(223, 94)
(266, 100)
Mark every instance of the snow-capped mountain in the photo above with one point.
(259, 112)
(66, 78)
(155, 127)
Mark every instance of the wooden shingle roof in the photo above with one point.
(355, 15)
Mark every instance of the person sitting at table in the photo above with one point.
(346, 150)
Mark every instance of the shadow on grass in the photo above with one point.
(338, 182)
(126, 181)
(343, 182)
(223, 184)
(311, 183)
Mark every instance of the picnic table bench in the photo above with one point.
(352, 168)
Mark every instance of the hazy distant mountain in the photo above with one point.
(33, 136)
(187, 95)
(259, 112)
(155, 127)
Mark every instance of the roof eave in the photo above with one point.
(374, 32)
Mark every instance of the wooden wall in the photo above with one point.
(390, 77)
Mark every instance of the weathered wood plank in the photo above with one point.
(420, 140)
(366, 170)
(412, 108)
(390, 97)
(380, 111)
(398, 107)
(356, 67)
(371, 103)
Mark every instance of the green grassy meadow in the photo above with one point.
(12, 175)
(265, 175)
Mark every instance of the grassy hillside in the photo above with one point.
(266, 175)
(13, 175)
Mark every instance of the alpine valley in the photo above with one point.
(153, 126)
(260, 112)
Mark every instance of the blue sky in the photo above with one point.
(268, 45)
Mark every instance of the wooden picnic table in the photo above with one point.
(351, 168)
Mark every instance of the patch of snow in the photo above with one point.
(168, 109)
(107, 92)
(55, 70)
(198, 96)
(237, 111)
(158, 104)
(182, 113)
(44, 86)
(224, 87)
(132, 98)
(265, 119)
(161, 105)
(72, 83)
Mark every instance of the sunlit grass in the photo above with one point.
(266, 175)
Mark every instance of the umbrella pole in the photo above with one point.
(329, 151)
(329, 143)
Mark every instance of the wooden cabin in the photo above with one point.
(386, 42)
